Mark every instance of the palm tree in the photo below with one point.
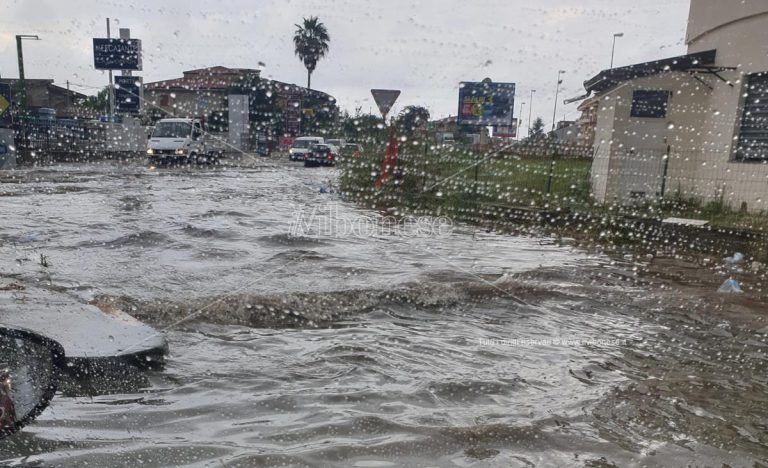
(311, 41)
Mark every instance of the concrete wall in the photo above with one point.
(702, 124)
(602, 148)
(705, 17)
(738, 30)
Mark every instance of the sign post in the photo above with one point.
(385, 99)
(116, 54)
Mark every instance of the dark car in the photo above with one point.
(352, 149)
(320, 155)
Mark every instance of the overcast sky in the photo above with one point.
(423, 47)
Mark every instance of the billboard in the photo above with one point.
(127, 93)
(117, 54)
(486, 103)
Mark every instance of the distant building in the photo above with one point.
(42, 93)
(587, 122)
(567, 132)
(693, 126)
(200, 92)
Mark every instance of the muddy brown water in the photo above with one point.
(365, 345)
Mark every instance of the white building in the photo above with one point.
(693, 126)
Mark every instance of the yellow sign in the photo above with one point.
(4, 104)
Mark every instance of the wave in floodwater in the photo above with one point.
(312, 350)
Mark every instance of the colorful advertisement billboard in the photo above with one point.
(486, 103)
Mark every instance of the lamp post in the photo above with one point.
(530, 108)
(557, 93)
(613, 48)
(22, 84)
(519, 120)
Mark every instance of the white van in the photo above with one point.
(176, 141)
(301, 147)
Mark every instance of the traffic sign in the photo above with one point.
(127, 94)
(116, 54)
(385, 99)
(5, 105)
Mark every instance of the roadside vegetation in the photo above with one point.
(531, 186)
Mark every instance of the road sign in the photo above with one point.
(5, 105)
(127, 94)
(292, 114)
(117, 54)
(385, 99)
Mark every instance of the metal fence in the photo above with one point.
(655, 182)
(46, 140)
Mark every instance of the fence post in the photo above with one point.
(664, 173)
(553, 152)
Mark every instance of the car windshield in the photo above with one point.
(302, 144)
(172, 130)
(447, 233)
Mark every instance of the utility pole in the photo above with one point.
(111, 88)
(557, 93)
(519, 121)
(22, 83)
(613, 49)
(530, 109)
(68, 100)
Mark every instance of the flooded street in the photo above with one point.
(292, 345)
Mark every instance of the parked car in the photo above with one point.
(321, 155)
(337, 142)
(301, 147)
(352, 149)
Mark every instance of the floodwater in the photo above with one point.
(308, 331)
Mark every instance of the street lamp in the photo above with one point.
(519, 120)
(557, 93)
(613, 49)
(530, 108)
(22, 84)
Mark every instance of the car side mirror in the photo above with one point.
(30, 368)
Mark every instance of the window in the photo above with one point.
(649, 104)
(753, 132)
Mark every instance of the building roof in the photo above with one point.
(217, 77)
(47, 82)
(607, 79)
(220, 78)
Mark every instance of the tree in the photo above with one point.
(311, 43)
(537, 129)
(99, 102)
(410, 118)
